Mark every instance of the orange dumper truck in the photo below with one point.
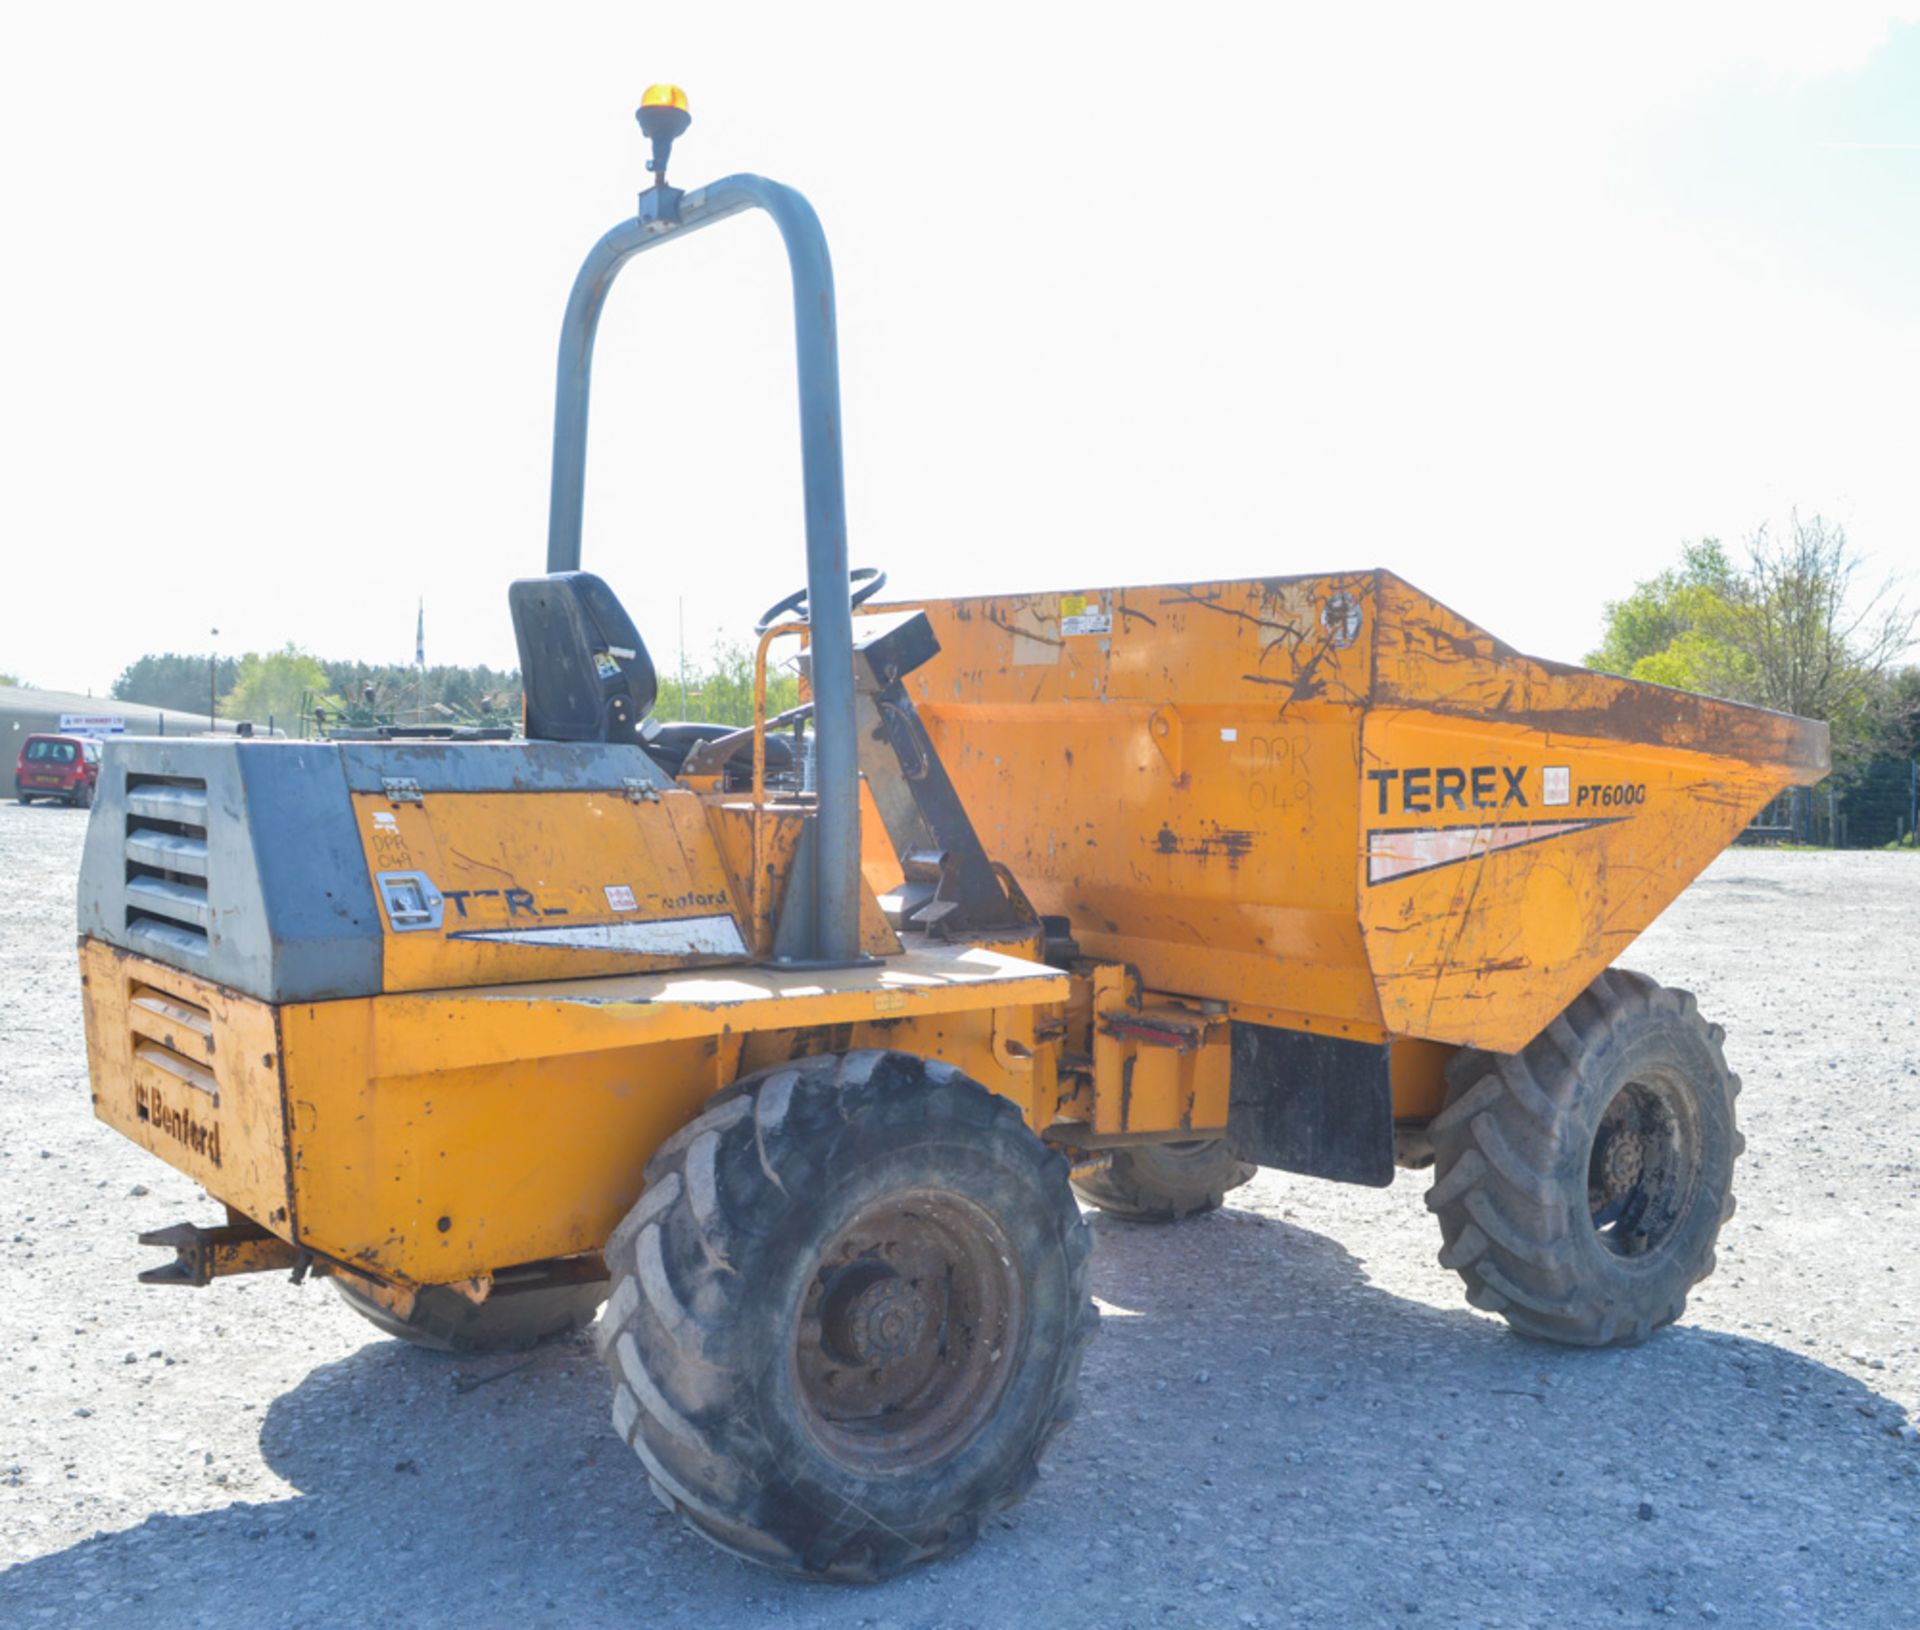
(790, 1051)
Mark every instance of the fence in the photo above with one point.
(1878, 807)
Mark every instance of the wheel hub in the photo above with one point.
(1621, 1160)
(900, 1344)
(1644, 1166)
(879, 1324)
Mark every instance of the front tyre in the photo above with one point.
(848, 1314)
(1582, 1182)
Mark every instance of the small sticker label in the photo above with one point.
(620, 898)
(1556, 784)
(1083, 614)
(389, 846)
(1228, 733)
(604, 665)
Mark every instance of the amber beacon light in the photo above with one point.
(663, 116)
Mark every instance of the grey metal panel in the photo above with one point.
(288, 908)
(170, 851)
(103, 902)
(493, 766)
(327, 938)
(165, 943)
(175, 900)
(187, 805)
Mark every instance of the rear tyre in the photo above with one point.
(509, 1321)
(83, 795)
(1163, 1182)
(848, 1314)
(1582, 1182)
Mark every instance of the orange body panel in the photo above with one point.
(1331, 803)
(427, 1137)
(192, 1073)
(441, 1134)
(533, 864)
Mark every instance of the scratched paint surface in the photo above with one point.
(1330, 801)
(192, 1073)
(442, 1133)
(544, 866)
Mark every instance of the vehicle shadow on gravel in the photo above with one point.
(1265, 1438)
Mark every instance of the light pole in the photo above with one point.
(213, 684)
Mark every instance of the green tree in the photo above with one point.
(175, 681)
(11, 679)
(1902, 707)
(476, 694)
(1820, 643)
(1791, 627)
(720, 690)
(275, 686)
(1663, 611)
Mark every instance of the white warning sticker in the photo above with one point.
(620, 898)
(1084, 614)
(1556, 784)
(677, 936)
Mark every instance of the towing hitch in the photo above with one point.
(206, 1254)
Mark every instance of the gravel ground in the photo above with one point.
(1290, 1418)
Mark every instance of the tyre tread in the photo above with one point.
(720, 1182)
(1500, 1172)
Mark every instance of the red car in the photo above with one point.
(63, 767)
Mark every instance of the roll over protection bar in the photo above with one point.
(666, 214)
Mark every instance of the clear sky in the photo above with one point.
(1510, 300)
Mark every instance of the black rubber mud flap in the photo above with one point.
(1319, 1105)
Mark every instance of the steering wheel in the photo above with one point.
(864, 581)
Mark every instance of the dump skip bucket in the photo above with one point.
(1331, 802)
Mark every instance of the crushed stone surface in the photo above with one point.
(1290, 1418)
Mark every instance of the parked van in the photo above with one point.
(63, 767)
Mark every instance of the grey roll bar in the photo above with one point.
(665, 215)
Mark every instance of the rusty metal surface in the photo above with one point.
(202, 1255)
(438, 1135)
(1331, 803)
(1431, 658)
(550, 885)
(899, 1347)
(190, 1071)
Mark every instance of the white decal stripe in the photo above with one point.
(678, 936)
(1398, 854)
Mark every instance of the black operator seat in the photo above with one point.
(583, 665)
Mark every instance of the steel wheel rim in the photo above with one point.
(1643, 1168)
(906, 1331)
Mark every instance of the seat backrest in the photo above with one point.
(583, 665)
